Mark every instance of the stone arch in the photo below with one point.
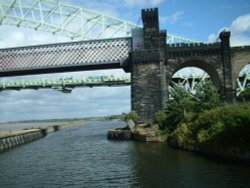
(241, 80)
(240, 58)
(241, 67)
(173, 67)
(237, 72)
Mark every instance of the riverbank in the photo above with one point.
(12, 138)
(140, 132)
(221, 132)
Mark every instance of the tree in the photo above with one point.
(208, 96)
(182, 103)
(178, 107)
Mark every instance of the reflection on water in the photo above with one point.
(81, 156)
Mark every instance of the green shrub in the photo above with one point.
(208, 96)
(160, 118)
(131, 115)
(178, 107)
(229, 125)
(148, 123)
(182, 137)
(223, 129)
(245, 95)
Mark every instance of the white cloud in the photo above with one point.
(241, 24)
(212, 38)
(14, 37)
(47, 104)
(173, 18)
(142, 3)
(240, 29)
(240, 40)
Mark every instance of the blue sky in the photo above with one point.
(193, 18)
(201, 20)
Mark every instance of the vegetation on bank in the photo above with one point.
(245, 95)
(222, 130)
(202, 122)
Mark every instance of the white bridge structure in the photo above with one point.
(101, 42)
(77, 23)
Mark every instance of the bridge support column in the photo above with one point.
(148, 84)
(148, 87)
(229, 92)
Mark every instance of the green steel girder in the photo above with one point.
(190, 83)
(68, 20)
(65, 84)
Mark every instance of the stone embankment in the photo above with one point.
(122, 133)
(140, 132)
(14, 138)
(10, 139)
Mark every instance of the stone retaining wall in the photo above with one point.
(10, 139)
(13, 140)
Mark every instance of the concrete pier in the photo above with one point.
(15, 138)
(10, 139)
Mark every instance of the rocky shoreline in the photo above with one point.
(140, 132)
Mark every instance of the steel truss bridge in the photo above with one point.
(77, 23)
(90, 52)
(65, 85)
(103, 41)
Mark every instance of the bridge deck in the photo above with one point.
(62, 57)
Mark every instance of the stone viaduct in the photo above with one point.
(153, 66)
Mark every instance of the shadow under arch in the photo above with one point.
(209, 69)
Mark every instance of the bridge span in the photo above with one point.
(145, 55)
(66, 84)
(65, 57)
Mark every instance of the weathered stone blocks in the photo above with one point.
(11, 141)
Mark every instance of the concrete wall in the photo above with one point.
(10, 141)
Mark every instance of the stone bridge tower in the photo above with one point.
(148, 87)
(153, 65)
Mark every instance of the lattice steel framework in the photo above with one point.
(190, 83)
(75, 22)
(74, 56)
(65, 84)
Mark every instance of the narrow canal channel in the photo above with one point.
(81, 156)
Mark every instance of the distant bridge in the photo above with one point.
(65, 85)
(145, 54)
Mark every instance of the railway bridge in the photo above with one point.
(145, 54)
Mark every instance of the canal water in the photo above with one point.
(81, 156)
